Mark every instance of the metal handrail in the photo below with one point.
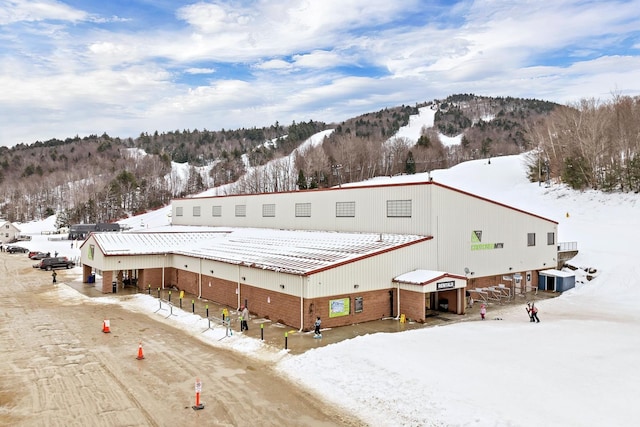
(567, 246)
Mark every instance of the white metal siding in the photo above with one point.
(456, 216)
(373, 273)
(274, 281)
(370, 210)
(98, 257)
(130, 262)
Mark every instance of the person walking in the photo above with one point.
(53, 276)
(483, 311)
(244, 317)
(316, 332)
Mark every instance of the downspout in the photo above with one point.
(398, 298)
(238, 289)
(164, 264)
(301, 303)
(200, 280)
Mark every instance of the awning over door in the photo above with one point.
(431, 281)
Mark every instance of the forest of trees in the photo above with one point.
(104, 178)
(591, 145)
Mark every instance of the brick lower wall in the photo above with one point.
(284, 308)
(107, 279)
(220, 291)
(150, 277)
(287, 309)
(412, 305)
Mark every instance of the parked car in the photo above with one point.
(55, 262)
(17, 249)
(39, 255)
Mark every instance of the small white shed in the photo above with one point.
(9, 232)
(556, 280)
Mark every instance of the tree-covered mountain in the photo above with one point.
(105, 178)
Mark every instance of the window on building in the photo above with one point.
(398, 208)
(196, 211)
(269, 210)
(216, 211)
(551, 239)
(345, 209)
(178, 210)
(531, 239)
(303, 209)
(358, 304)
(241, 210)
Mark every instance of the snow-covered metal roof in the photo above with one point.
(556, 273)
(423, 277)
(296, 252)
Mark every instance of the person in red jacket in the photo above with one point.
(533, 312)
(483, 311)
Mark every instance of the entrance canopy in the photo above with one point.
(431, 281)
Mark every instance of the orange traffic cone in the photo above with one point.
(140, 355)
(105, 326)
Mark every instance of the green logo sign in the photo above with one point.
(476, 245)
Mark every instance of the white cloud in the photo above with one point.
(200, 70)
(320, 59)
(28, 10)
(299, 56)
(274, 64)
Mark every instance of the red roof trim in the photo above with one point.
(400, 184)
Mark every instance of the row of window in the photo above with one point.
(531, 239)
(395, 209)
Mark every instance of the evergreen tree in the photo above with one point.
(302, 181)
(410, 164)
(63, 219)
(195, 184)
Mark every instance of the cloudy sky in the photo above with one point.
(81, 67)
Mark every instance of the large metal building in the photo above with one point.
(349, 254)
